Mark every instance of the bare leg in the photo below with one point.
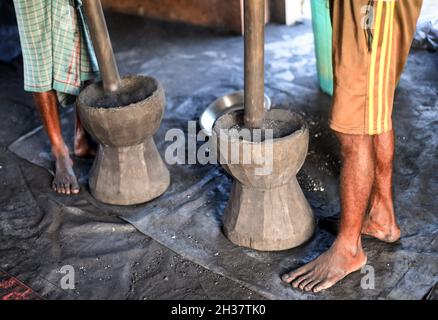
(65, 180)
(83, 145)
(346, 254)
(381, 222)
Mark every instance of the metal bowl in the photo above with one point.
(228, 103)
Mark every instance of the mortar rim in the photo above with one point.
(139, 104)
(299, 132)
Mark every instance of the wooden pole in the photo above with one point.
(102, 45)
(254, 25)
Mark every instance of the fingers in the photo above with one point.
(311, 285)
(327, 283)
(297, 283)
(66, 188)
(291, 276)
(305, 281)
(75, 188)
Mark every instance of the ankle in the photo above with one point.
(80, 134)
(381, 197)
(60, 150)
(381, 205)
(348, 246)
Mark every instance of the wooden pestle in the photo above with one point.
(102, 45)
(254, 25)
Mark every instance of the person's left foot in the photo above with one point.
(381, 222)
(328, 269)
(83, 144)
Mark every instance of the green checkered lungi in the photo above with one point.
(56, 49)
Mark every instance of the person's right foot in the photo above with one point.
(381, 223)
(65, 180)
(328, 269)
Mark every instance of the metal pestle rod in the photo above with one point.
(102, 45)
(254, 24)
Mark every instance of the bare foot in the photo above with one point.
(381, 223)
(83, 145)
(328, 269)
(65, 181)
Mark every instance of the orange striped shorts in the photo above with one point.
(371, 42)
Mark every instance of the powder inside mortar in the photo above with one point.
(280, 129)
(130, 91)
(122, 98)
